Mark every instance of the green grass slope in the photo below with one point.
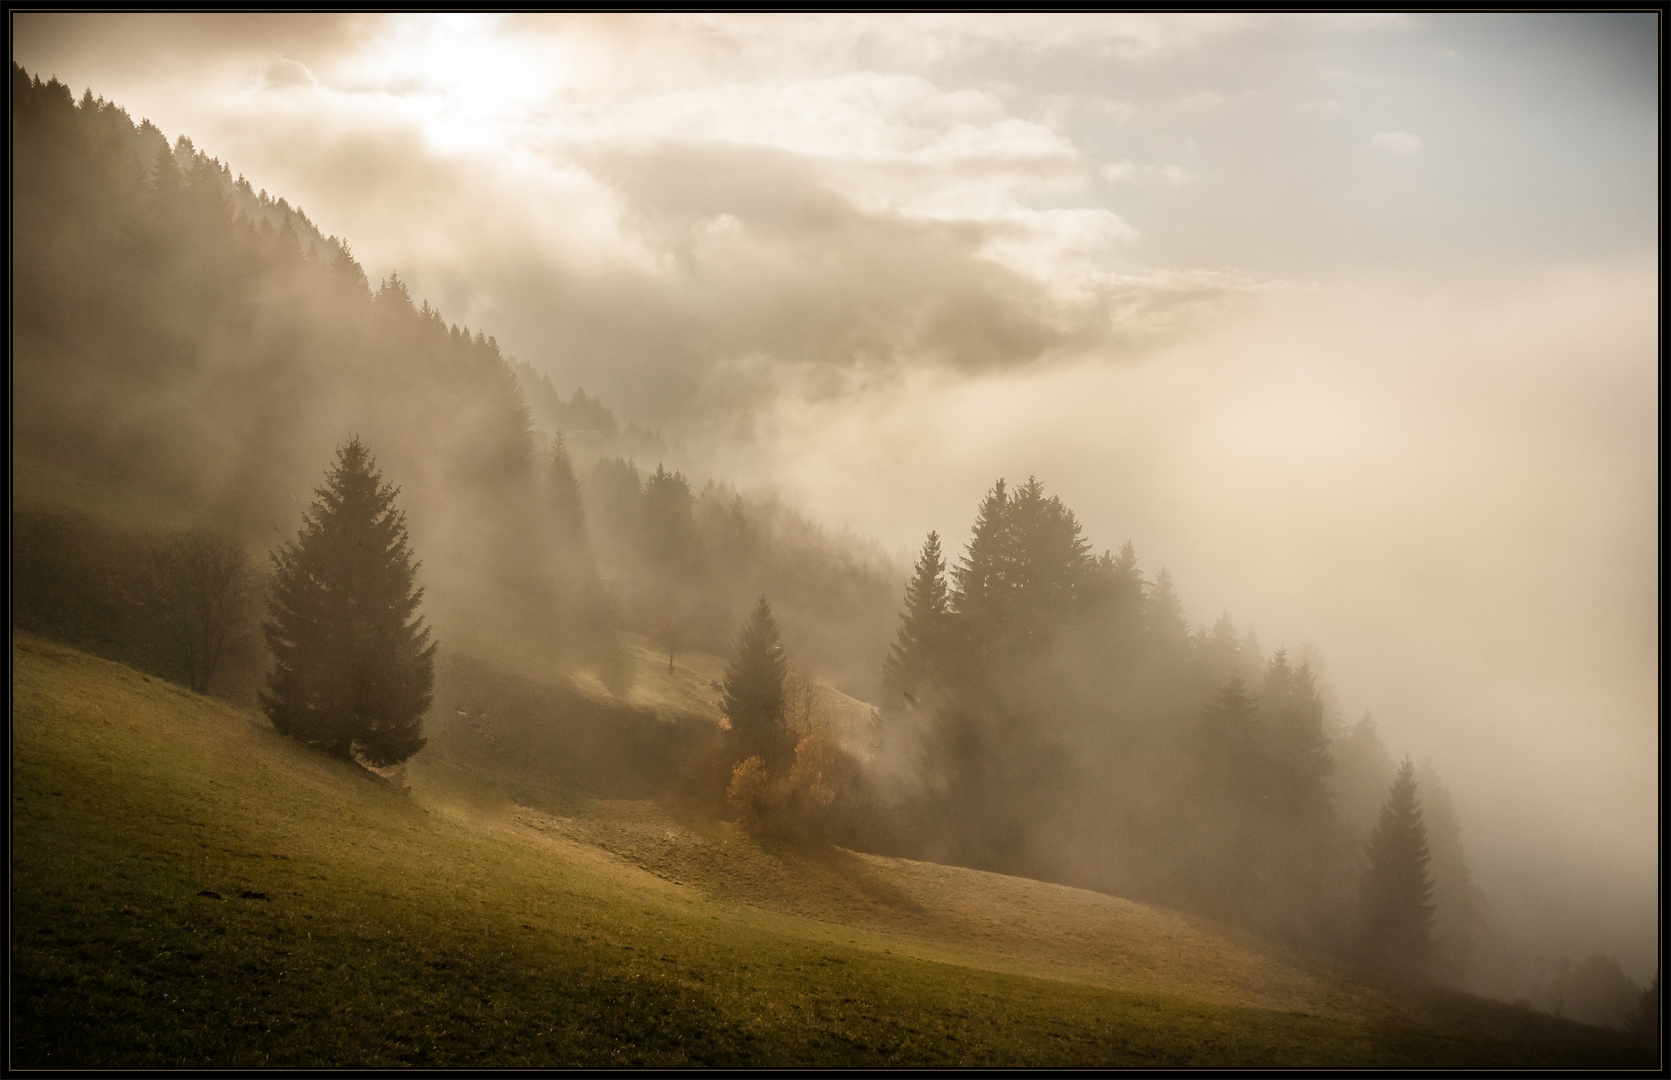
(190, 889)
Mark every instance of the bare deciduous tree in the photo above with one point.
(201, 586)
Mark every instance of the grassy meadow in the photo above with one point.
(190, 889)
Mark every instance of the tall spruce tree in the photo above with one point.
(1228, 853)
(1023, 578)
(1120, 586)
(1048, 569)
(1293, 712)
(1217, 653)
(1458, 904)
(1232, 750)
(979, 600)
(1397, 891)
(669, 527)
(353, 663)
(919, 650)
(1165, 626)
(754, 689)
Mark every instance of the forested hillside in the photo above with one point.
(1051, 712)
(197, 349)
(189, 353)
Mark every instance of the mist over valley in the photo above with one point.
(1068, 504)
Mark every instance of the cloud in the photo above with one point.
(1395, 143)
(983, 245)
(933, 38)
(1449, 484)
(1121, 172)
(281, 71)
(126, 47)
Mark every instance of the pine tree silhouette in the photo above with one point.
(565, 500)
(1397, 889)
(754, 697)
(353, 665)
(919, 650)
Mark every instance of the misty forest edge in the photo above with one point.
(1042, 711)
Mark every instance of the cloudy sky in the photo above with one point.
(1349, 321)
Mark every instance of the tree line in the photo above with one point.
(197, 350)
(183, 338)
(1042, 710)
(1051, 712)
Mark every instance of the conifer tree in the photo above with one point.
(669, 525)
(1458, 904)
(1124, 584)
(565, 499)
(1164, 623)
(1048, 569)
(979, 599)
(353, 664)
(1231, 746)
(1023, 578)
(1217, 652)
(754, 688)
(1229, 806)
(1363, 770)
(918, 651)
(1397, 891)
(1293, 712)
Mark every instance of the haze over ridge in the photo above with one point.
(1335, 318)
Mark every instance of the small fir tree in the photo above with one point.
(754, 688)
(353, 664)
(1397, 889)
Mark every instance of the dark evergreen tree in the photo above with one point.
(1230, 746)
(754, 689)
(1225, 809)
(1023, 580)
(979, 600)
(1459, 907)
(919, 651)
(669, 525)
(1115, 593)
(1397, 891)
(588, 414)
(1644, 1024)
(1217, 653)
(1047, 571)
(1300, 764)
(1301, 853)
(353, 664)
(1165, 627)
